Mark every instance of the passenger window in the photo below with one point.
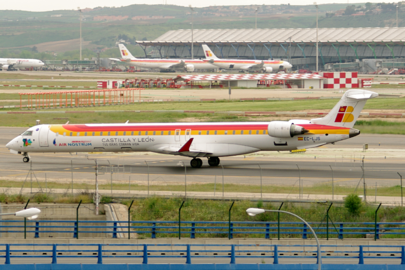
(234, 132)
(27, 133)
(116, 133)
(199, 132)
(264, 132)
(71, 133)
(132, 133)
(250, 132)
(208, 132)
(101, 133)
(215, 132)
(146, 133)
(108, 133)
(154, 132)
(161, 133)
(140, 133)
(241, 132)
(226, 132)
(92, 134)
(64, 133)
(125, 133)
(85, 134)
(170, 132)
(78, 133)
(257, 131)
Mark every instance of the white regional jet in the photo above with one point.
(246, 65)
(13, 63)
(195, 140)
(183, 64)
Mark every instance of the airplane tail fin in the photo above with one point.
(209, 55)
(125, 54)
(347, 110)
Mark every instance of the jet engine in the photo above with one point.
(267, 69)
(189, 68)
(5, 67)
(282, 129)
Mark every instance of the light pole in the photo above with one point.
(30, 213)
(255, 211)
(397, 13)
(81, 16)
(256, 17)
(192, 32)
(316, 36)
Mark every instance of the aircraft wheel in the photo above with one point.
(213, 161)
(26, 159)
(196, 163)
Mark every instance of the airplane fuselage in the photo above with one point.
(210, 139)
(20, 63)
(167, 63)
(246, 64)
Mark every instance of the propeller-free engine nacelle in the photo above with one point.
(283, 129)
(189, 68)
(267, 69)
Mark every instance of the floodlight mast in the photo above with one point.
(255, 211)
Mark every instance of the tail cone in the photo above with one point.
(354, 132)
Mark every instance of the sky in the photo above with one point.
(48, 5)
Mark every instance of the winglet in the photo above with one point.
(186, 146)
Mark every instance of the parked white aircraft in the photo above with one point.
(195, 140)
(183, 64)
(246, 65)
(13, 63)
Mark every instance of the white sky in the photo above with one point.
(48, 5)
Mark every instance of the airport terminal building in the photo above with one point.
(358, 49)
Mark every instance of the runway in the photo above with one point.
(341, 162)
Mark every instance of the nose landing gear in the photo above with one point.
(196, 163)
(26, 158)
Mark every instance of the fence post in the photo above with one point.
(181, 206)
(115, 230)
(188, 260)
(77, 220)
(192, 234)
(54, 255)
(376, 236)
(403, 255)
(8, 254)
(341, 231)
(267, 235)
(275, 261)
(327, 222)
(361, 256)
(230, 236)
(74, 231)
(100, 254)
(153, 230)
(145, 254)
(304, 232)
(129, 219)
(25, 219)
(278, 221)
(36, 229)
(232, 254)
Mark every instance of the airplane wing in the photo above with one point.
(253, 67)
(178, 65)
(181, 151)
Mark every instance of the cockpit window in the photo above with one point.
(27, 133)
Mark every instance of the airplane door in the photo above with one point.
(177, 135)
(188, 134)
(43, 136)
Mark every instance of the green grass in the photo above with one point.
(380, 127)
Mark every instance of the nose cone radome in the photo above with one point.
(354, 132)
(13, 144)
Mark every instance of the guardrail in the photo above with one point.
(190, 251)
(192, 229)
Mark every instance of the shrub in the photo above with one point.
(353, 204)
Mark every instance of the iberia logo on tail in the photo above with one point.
(124, 52)
(208, 53)
(344, 114)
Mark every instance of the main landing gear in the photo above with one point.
(197, 162)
